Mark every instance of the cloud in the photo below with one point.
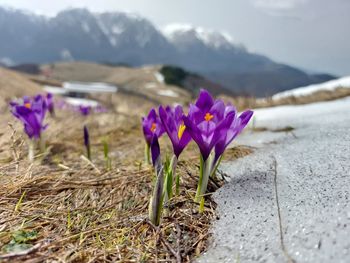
(278, 5)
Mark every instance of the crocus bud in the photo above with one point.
(156, 203)
(50, 104)
(87, 142)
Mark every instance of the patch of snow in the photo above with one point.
(102, 26)
(285, 112)
(168, 93)
(308, 172)
(209, 37)
(81, 102)
(89, 87)
(159, 77)
(150, 85)
(304, 91)
(55, 90)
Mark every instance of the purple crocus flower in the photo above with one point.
(152, 125)
(84, 110)
(173, 123)
(208, 122)
(50, 103)
(237, 125)
(32, 114)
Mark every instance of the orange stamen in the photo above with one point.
(154, 126)
(27, 105)
(208, 116)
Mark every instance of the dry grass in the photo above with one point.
(64, 209)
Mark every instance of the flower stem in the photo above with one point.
(42, 143)
(147, 154)
(216, 165)
(106, 155)
(31, 147)
(173, 165)
(204, 173)
(156, 202)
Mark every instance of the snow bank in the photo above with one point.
(304, 91)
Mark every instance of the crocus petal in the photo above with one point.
(152, 125)
(236, 127)
(196, 135)
(205, 101)
(172, 120)
(169, 123)
(196, 114)
(245, 117)
(218, 110)
(155, 150)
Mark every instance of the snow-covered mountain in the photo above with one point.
(117, 37)
(185, 35)
(308, 90)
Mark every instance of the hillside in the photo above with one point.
(121, 38)
(13, 85)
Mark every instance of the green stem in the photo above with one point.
(156, 203)
(173, 165)
(213, 173)
(204, 173)
(147, 154)
(177, 184)
(169, 178)
(42, 143)
(31, 147)
(106, 155)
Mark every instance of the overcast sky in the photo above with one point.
(311, 34)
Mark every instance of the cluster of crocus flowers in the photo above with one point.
(210, 123)
(31, 112)
(213, 126)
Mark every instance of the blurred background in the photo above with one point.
(254, 52)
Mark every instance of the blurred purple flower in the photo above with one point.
(86, 136)
(84, 110)
(208, 122)
(32, 114)
(50, 103)
(174, 126)
(152, 125)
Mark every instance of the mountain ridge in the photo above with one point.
(118, 37)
